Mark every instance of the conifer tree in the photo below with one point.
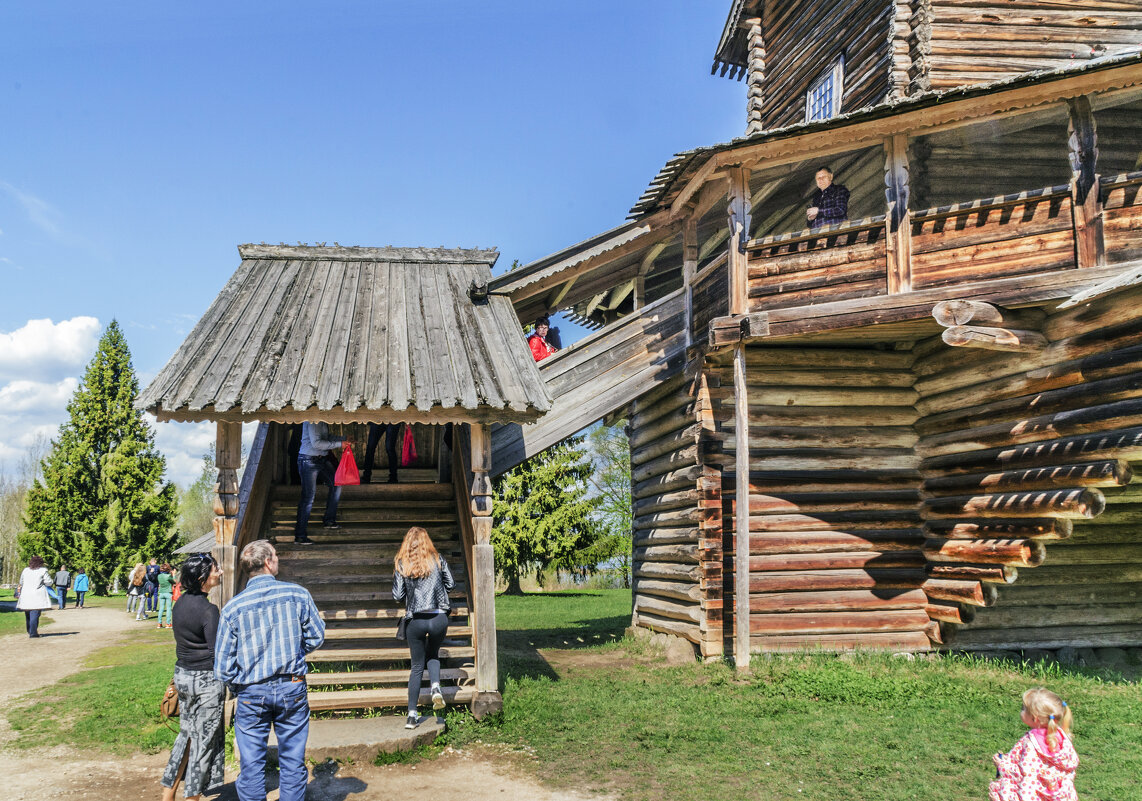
(102, 503)
(543, 513)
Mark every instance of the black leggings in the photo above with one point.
(425, 634)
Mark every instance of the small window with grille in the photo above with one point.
(823, 100)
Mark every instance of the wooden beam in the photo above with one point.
(689, 270)
(557, 294)
(484, 582)
(619, 294)
(755, 94)
(741, 514)
(1090, 243)
(594, 303)
(898, 247)
(738, 213)
(975, 336)
(643, 271)
(1126, 279)
(962, 312)
(228, 458)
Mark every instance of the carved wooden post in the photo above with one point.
(488, 700)
(741, 512)
(689, 269)
(738, 211)
(755, 94)
(228, 458)
(898, 226)
(1090, 245)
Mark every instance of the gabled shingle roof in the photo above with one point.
(353, 334)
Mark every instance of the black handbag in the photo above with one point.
(402, 634)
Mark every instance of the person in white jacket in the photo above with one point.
(34, 598)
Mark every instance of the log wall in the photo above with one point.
(1122, 217)
(803, 37)
(666, 490)
(956, 42)
(834, 509)
(1029, 459)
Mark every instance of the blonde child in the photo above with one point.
(1041, 766)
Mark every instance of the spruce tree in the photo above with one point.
(102, 503)
(543, 513)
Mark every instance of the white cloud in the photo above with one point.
(42, 214)
(183, 445)
(32, 396)
(43, 350)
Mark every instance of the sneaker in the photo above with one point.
(302, 541)
(332, 526)
(412, 721)
(437, 699)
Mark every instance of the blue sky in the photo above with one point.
(142, 141)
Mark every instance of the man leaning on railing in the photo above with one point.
(830, 203)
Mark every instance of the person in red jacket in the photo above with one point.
(540, 347)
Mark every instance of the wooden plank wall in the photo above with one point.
(710, 298)
(1122, 217)
(805, 36)
(665, 494)
(835, 538)
(956, 42)
(1029, 459)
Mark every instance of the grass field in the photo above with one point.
(596, 711)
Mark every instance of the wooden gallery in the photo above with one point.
(913, 424)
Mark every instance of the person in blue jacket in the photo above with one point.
(81, 586)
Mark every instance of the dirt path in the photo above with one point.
(64, 773)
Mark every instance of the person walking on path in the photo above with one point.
(316, 444)
(135, 590)
(166, 590)
(33, 590)
(62, 581)
(422, 580)
(81, 586)
(199, 753)
(264, 635)
(151, 586)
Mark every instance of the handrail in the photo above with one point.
(705, 272)
(254, 481)
(1122, 179)
(462, 483)
(990, 204)
(807, 234)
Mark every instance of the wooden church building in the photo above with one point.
(913, 428)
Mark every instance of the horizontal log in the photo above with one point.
(667, 553)
(679, 590)
(824, 502)
(849, 621)
(680, 499)
(951, 613)
(667, 570)
(653, 396)
(665, 536)
(1120, 444)
(667, 445)
(843, 415)
(992, 574)
(1012, 339)
(1067, 503)
(763, 435)
(824, 580)
(675, 460)
(666, 482)
(1017, 553)
(663, 427)
(872, 641)
(972, 593)
(675, 404)
(835, 541)
(793, 375)
(836, 561)
(1019, 595)
(950, 313)
(688, 612)
(1010, 639)
(1045, 529)
(1106, 473)
(1061, 615)
(684, 629)
(845, 520)
(1054, 574)
(837, 600)
(1096, 554)
(678, 518)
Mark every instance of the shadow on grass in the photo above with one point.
(519, 649)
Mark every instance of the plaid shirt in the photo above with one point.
(833, 205)
(266, 630)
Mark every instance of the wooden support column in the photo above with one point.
(228, 458)
(689, 270)
(1090, 244)
(755, 94)
(738, 213)
(488, 700)
(898, 243)
(741, 512)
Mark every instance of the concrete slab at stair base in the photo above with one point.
(361, 739)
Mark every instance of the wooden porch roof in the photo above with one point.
(353, 335)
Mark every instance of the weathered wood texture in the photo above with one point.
(1012, 483)
(957, 42)
(1122, 217)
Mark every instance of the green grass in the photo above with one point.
(803, 726)
(112, 706)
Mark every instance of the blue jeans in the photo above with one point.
(310, 468)
(62, 593)
(79, 597)
(32, 621)
(282, 703)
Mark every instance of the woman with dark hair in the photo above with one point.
(422, 580)
(540, 346)
(34, 598)
(166, 590)
(199, 751)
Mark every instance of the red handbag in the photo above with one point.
(347, 470)
(408, 450)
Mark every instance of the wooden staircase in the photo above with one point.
(349, 573)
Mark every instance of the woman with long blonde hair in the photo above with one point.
(422, 580)
(135, 588)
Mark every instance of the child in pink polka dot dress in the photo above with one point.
(1041, 766)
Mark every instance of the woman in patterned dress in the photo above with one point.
(199, 751)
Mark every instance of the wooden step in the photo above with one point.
(361, 564)
(410, 514)
(347, 535)
(322, 551)
(376, 613)
(325, 594)
(405, 488)
(357, 582)
(396, 678)
(386, 632)
(383, 639)
(389, 653)
(384, 697)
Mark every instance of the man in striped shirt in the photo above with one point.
(264, 634)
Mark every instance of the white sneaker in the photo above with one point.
(412, 721)
(437, 699)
